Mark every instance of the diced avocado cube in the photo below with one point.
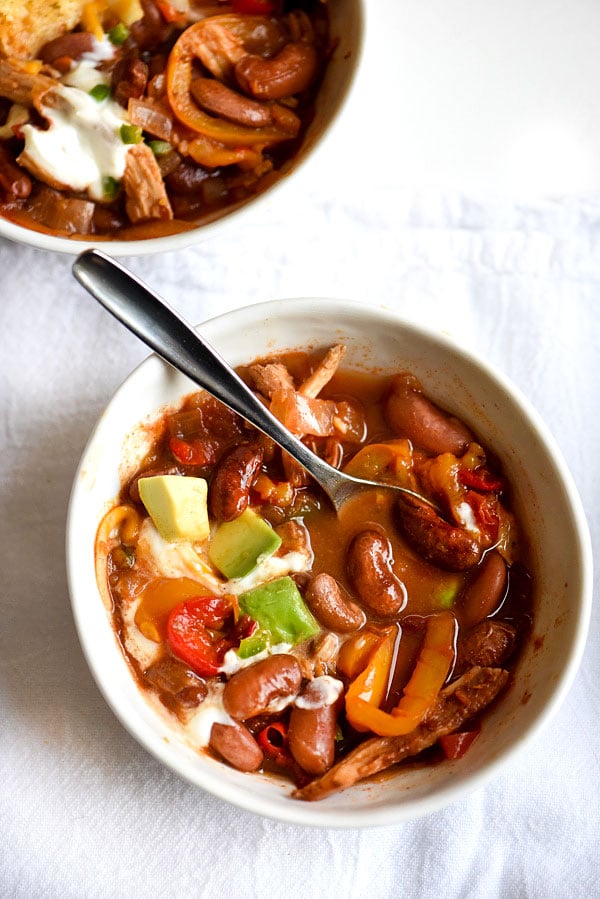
(238, 546)
(281, 613)
(177, 505)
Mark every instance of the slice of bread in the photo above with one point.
(26, 25)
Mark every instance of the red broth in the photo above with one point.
(407, 629)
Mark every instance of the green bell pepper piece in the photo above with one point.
(281, 613)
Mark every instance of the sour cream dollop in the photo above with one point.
(82, 146)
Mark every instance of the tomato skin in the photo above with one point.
(477, 481)
(195, 633)
(254, 7)
(191, 452)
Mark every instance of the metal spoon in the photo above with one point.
(174, 340)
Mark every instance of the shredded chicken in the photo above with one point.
(219, 50)
(299, 409)
(146, 193)
(323, 373)
(325, 654)
(270, 377)
(22, 87)
(456, 704)
(295, 538)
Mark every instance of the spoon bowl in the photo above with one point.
(159, 326)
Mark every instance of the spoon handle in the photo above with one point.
(158, 325)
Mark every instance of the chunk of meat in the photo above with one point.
(488, 643)
(455, 705)
(24, 88)
(323, 373)
(220, 49)
(146, 194)
(295, 538)
(270, 377)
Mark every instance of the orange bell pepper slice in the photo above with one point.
(213, 155)
(179, 79)
(355, 652)
(366, 693)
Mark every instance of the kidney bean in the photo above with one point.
(447, 546)
(186, 179)
(485, 591)
(369, 564)
(230, 487)
(73, 45)
(412, 415)
(254, 690)
(312, 728)
(236, 745)
(331, 604)
(488, 644)
(290, 72)
(14, 181)
(151, 30)
(221, 100)
(129, 79)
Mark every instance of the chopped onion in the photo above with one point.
(150, 118)
(303, 415)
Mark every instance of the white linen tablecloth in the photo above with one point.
(84, 810)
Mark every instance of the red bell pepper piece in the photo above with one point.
(198, 633)
(192, 452)
(273, 740)
(456, 745)
(477, 481)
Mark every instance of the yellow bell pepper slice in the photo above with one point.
(384, 461)
(212, 154)
(370, 687)
(366, 693)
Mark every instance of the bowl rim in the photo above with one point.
(235, 215)
(318, 814)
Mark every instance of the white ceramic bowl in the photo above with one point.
(347, 27)
(545, 498)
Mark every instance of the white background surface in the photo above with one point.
(390, 213)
